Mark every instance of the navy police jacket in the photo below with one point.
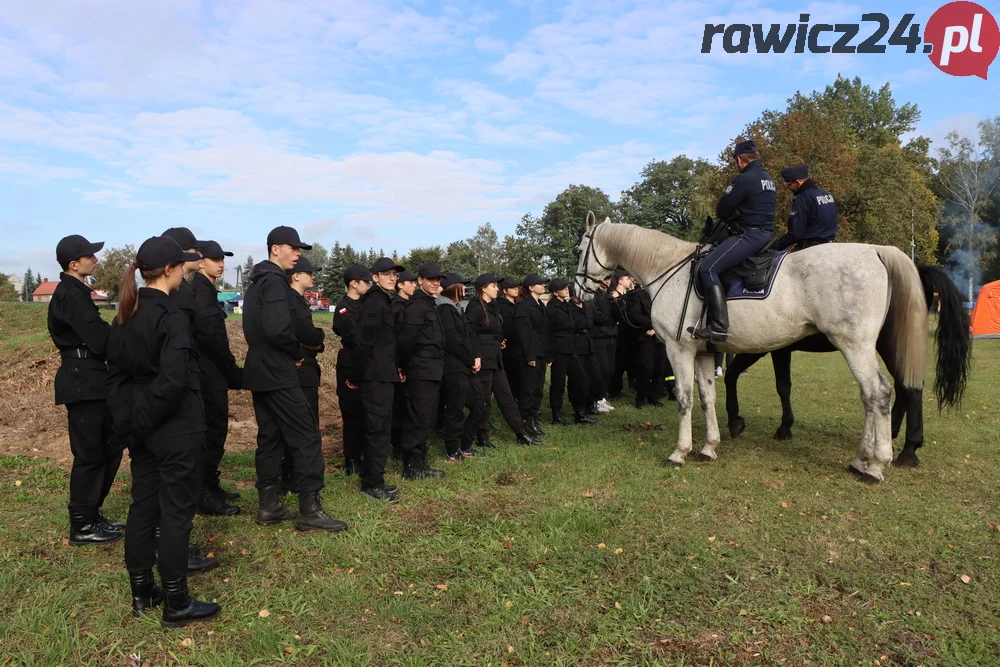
(749, 199)
(813, 217)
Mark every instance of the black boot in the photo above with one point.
(212, 505)
(639, 402)
(200, 564)
(181, 609)
(85, 530)
(272, 510)
(108, 525)
(493, 427)
(717, 317)
(580, 417)
(557, 417)
(483, 440)
(220, 492)
(313, 517)
(429, 471)
(145, 593)
(352, 467)
(382, 492)
(526, 438)
(537, 427)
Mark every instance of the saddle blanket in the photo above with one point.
(738, 291)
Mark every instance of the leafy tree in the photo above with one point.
(667, 197)
(7, 290)
(317, 255)
(418, 256)
(243, 272)
(563, 222)
(111, 269)
(331, 280)
(29, 285)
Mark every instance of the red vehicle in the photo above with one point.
(316, 301)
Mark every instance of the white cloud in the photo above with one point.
(25, 169)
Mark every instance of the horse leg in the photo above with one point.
(706, 392)
(782, 360)
(684, 370)
(875, 449)
(735, 368)
(908, 403)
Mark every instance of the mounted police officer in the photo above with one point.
(813, 220)
(747, 207)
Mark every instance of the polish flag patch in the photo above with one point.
(342, 311)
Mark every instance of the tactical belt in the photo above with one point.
(75, 353)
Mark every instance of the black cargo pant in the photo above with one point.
(216, 430)
(377, 398)
(352, 415)
(95, 457)
(286, 424)
(398, 412)
(571, 366)
(422, 398)
(512, 367)
(624, 358)
(495, 384)
(604, 357)
(461, 391)
(651, 367)
(529, 398)
(166, 480)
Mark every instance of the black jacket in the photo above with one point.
(488, 329)
(461, 349)
(308, 334)
(583, 324)
(621, 304)
(420, 338)
(374, 355)
(568, 328)
(270, 332)
(345, 325)
(531, 331)
(219, 371)
(153, 390)
(505, 309)
(750, 198)
(813, 217)
(77, 329)
(604, 314)
(640, 314)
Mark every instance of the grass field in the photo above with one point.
(585, 551)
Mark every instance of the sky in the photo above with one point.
(384, 124)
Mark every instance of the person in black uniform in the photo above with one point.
(345, 325)
(488, 327)
(747, 207)
(605, 337)
(461, 388)
(567, 327)
(284, 420)
(505, 303)
(301, 279)
(532, 345)
(155, 399)
(649, 351)
(406, 285)
(374, 372)
(420, 350)
(219, 374)
(77, 329)
(813, 219)
(624, 358)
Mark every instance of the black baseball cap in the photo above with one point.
(533, 279)
(454, 279)
(558, 284)
(286, 236)
(485, 279)
(74, 247)
(429, 270)
(618, 275)
(302, 265)
(162, 251)
(184, 237)
(357, 272)
(405, 276)
(385, 264)
(509, 283)
(213, 250)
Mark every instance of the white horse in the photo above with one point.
(844, 290)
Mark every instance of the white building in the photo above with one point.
(17, 283)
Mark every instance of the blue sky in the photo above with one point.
(384, 124)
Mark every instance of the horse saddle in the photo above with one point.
(752, 279)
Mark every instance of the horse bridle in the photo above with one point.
(587, 254)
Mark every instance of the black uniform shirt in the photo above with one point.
(269, 331)
(813, 217)
(461, 348)
(488, 329)
(152, 385)
(219, 371)
(77, 329)
(345, 325)
(750, 198)
(640, 312)
(582, 326)
(374, 355)
(531, 329)
(308, 334)
(505, 309)
(420, 339)
(560, 326)
(604, 314)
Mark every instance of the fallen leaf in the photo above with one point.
(210, 554)
(244, 552)
(263, 613)
(618, 551)
(442, 587)
(350, 570)
(187, 642)
(587, 494)
(509, 604)
(711, 538)
(905, 583)
(785, 504)
(289, 650)
(827, 619)
(17, 482)
(397, 592)
(602, 545)
(966, 579)
(510, 649)
(618, 605)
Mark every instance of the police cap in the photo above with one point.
(795, 172)
(747, 146)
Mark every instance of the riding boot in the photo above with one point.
(86, 530)
(181, 609)
(272, 510)
(145, 593)
(717, 318)
(312, 516)
(483, 440)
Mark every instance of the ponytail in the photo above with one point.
(522, 293)
(128, 296)
(482, 304)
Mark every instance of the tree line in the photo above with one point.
(941, 207)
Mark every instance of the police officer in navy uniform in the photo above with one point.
(420, 351)
(285, 422)
(374, 373)
(813, 219)
(219, 374)
(747, 206)
(345, 325)
(77, 329)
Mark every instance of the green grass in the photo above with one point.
(586, 551)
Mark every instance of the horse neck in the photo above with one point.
(645, 253)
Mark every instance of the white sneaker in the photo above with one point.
(600, 409)
(606, 405)
(718, 371)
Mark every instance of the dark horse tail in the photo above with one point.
(954, 342)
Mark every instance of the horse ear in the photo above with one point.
(591, 220)
(607, 218)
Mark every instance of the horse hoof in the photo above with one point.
(703, 458)
(673, 464)
(736, 427)
(870, 480)
(906, 460)
(783, 433)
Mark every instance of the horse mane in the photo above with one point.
(645, 252)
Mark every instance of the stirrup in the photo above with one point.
(707, 334)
